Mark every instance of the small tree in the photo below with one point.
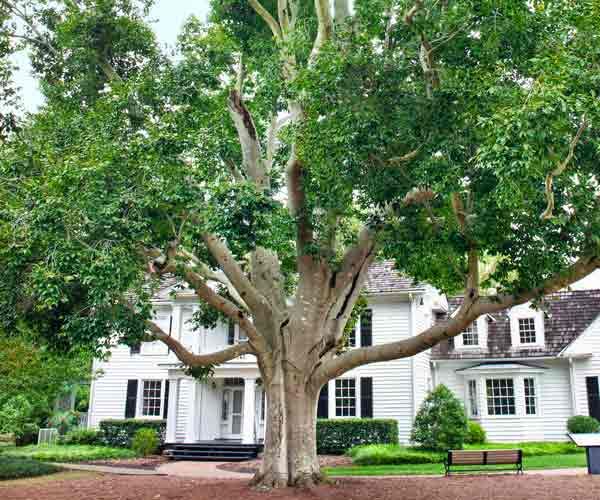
(441, 423)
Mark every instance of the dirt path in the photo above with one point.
(110, 487)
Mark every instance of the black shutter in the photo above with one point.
(231, 333)
(366, 328)
(323, 404)
(166, 402)
(131, 398)
(135, 348)
(366, 397)
(593, 394)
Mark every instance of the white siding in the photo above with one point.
(587, 343)
(392, 380)
(554, 402)
(185, 386)
(110, 388)
(423, 319)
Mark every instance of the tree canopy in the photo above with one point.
(284, 148)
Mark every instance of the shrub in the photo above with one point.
(441, 423)
(15, 468)
(121, 432)
(337, 436)
(392, 454)
(145, 442)
(475, 433)
(581, 424)
(64, 421)
(73, 453)
(81, 436)
(17, 418)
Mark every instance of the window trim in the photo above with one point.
(515, 397)
(477, 399)
(481, 323)
(524, 312)
(140, 399)
(536, 397)
(332, 398)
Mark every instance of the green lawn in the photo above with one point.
(560, 461)
(16, 468)
(66, 453)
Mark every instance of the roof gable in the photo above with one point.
(567, 314)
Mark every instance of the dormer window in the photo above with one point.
(526, 327)
(527, 331)
(474, 336)
(470, 336)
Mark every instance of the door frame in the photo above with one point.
(227, 422)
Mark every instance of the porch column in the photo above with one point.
(248, 436)
(192, 433)
(172, 413)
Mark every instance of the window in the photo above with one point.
(500, 396)
(470, 336)
(527, 330)
(225, 405)
(473, 404)
(151, 398)
(345, 397)
(263, 406)
(530, 396)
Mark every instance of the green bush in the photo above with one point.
(392, 454)
(581, 424)
(145, 442)
(72, 453)
(441, 423)
(17, 418)
(335, 437)
(475, 433)
(15, 468)
(81, 436)
(121, 432)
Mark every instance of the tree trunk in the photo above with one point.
(290, 454)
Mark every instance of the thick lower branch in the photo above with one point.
(468, 312)
(190, 359)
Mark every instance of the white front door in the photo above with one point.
(232, 413)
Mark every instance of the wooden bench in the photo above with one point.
(470, 458)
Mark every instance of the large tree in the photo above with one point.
(287, 146)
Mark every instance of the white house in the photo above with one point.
(521, 373)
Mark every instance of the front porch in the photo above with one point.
(227, 410)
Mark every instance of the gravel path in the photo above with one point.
(112, 487)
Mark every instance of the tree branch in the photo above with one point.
(190, 359)
(249, 142)
(297, 202)
(560, 169)
(324, 29)
(267, 17)
(248, 293)
(452, 327)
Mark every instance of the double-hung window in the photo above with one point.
(500, 393)
(470, 337)
(530, 396)
(152, 398)
(473, 399)
(345, 397)
(527, 333)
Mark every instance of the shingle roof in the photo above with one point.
(567, 314)
(383, 278)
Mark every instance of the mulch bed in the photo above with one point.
(251, 466)
(510, 487)
(144, 463)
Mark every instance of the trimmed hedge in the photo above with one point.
(334, 437)
(582, 424)
(15, 468)
(121, 432)
(81, 436)
(392, 454)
